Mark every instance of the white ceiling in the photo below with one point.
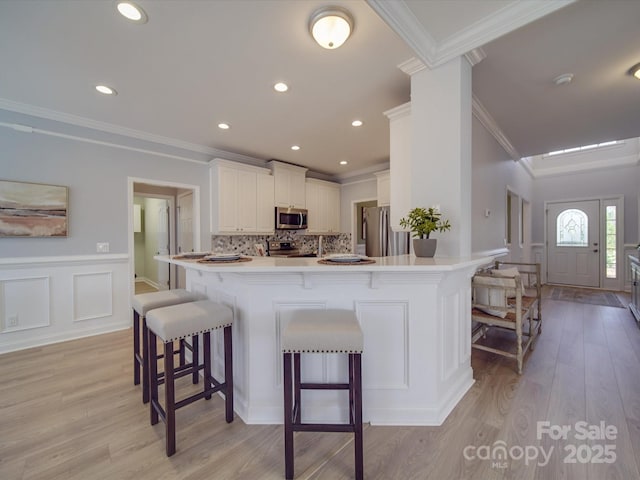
(200, 62)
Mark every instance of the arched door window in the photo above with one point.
(572, 228)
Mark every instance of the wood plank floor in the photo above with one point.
(71, 411)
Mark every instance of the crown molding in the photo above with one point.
(491, 125)
(412, 66)
(401, 19)
(475, 56)
(78, 121)
(499, 23)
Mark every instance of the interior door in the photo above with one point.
(163, 243)
(185, 231)
(573, 236)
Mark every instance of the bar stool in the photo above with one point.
(141, 304)
(322, 331)
(178, 322)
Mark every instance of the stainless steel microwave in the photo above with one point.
(291, 218)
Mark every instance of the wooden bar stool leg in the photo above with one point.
(351, 390)
(206, 353)
(136, 348)
(153, 376)
(170, 399)
(182, 354)
(288, 413)
(195, 358)
(357, 393)
(228, 374)
(297, 395)
(145, 361)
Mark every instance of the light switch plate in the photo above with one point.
(102, 247)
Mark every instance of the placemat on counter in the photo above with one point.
(215, 262)
(360, 262)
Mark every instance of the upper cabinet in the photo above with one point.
(289, 185)
(384, 191)
(323, 204)
(241, 198)
(400, 163)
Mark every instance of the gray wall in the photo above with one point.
(492, 173)
(97, 179)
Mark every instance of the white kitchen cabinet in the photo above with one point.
(241, 198)
(384, 191)
(323, 205)
(400, 163)
(289, 185)
(265, 208)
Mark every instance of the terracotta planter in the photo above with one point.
(425, 247)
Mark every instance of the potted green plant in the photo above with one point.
(421, 222)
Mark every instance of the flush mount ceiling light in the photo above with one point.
(223, 126)
(295, 147)
(133, 12)
(635, 71)
(331, 26)
(281, 87)
(343, 162)
(356, 123)
(106, 90)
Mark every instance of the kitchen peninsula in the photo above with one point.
(414, 312)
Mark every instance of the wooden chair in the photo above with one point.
(499, 300)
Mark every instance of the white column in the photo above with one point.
(440, 158)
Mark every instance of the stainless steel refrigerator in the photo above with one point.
(381, 241)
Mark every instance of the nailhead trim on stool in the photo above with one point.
(322, 331)
(178, 322)
(143, 303)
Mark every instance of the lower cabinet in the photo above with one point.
(634, 306)
(323, 205)
(241, 198)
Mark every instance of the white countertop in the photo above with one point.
(400, 263)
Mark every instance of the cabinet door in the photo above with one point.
(246, 195)
(313, 207)
(227, 205)
(282, 180)
(297, 189)
(333, 209)
(265, 208)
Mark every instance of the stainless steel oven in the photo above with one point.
(291, 218)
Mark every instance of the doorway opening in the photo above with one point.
(164, 220)
(358, 231)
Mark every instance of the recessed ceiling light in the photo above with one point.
(563, 79)
(343, 162)
(295, 147)
(281, 87)
(133, 12)
(223, 126)
(106, 90)
(357, 123)
(635, 71)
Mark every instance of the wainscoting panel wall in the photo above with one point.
(52, 299)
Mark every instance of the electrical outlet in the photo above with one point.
(102, 247)
(12, 320)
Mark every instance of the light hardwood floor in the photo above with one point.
(71, 411)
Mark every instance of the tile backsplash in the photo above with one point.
(244, 244)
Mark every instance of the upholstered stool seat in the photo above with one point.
(142, 304)
(178, 322)
(322, 331)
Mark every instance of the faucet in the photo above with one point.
(319, 246)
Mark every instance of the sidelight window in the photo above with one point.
(611, 240)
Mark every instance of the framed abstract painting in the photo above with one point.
(33, 209)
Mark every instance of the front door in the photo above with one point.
(573, 235)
